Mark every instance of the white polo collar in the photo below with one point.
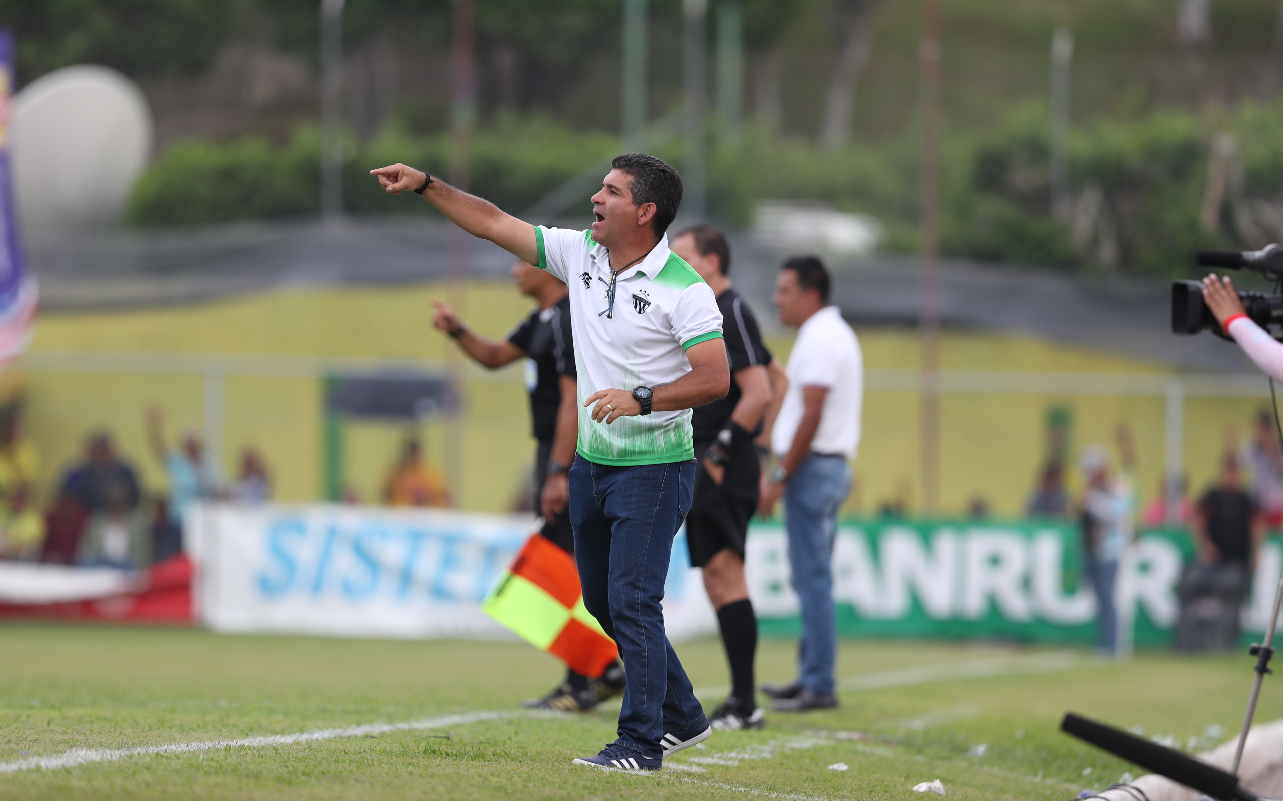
(649, 266)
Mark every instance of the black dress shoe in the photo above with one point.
(805, 701)
(780, 691)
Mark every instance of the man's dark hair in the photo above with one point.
(654, 181)
(710, 240)
(810, 274)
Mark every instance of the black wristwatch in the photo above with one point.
(556, 468)
(644, 395)
(427, 179)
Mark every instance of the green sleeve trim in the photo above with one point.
(543, 258)
(701, 338)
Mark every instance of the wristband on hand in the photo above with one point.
(458, 332)
(730, 437)
(715, 455)
(427, 179)
(1226, 326)
(779, 475)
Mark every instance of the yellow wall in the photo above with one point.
(991, 444)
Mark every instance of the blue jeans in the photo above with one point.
(624, 520)
(1104, 577)
(811, 502)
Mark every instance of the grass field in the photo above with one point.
(911, 712)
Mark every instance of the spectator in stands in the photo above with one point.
(978, 507)
(64, 525)
(1155, 513)
(254, 485)
(18, 458)
(1265, 460)
(166, 535)
(191, 476)
(118, 536)
(1050, 498)
(22, 528)
(1108, 522)
(1228, 523)
(413, 482)
(103, 474)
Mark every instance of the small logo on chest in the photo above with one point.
(586, 278)
(641, 301)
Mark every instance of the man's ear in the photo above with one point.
(646, 213)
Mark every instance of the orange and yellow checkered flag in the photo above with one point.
(538, 598)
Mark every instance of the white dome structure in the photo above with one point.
(81, 136)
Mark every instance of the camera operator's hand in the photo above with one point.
(1256, 342)
(1221, 298)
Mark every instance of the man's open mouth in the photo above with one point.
(599, 217)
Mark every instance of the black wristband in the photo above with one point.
(732, 436)
(458, 332)
(427, 179)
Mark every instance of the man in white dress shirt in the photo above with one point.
(815, 436)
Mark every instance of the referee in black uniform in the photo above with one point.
(727, 480)
(543, 338)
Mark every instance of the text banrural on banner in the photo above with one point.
(352, 571)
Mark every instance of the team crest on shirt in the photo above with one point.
(641, 301)
(586, 278)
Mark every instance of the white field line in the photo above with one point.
(749, 790)
(1049, 662)
(83, 756)
(976, 669)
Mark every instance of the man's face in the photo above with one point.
(100, 451)
(1229, 475)
(528, 278)
(706, 266)
(614, 213)
(790, 299)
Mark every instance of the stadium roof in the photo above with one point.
(149, 268)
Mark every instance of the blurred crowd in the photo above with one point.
(1226, 525)
(99, 513)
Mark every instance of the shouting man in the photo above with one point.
(648, 348)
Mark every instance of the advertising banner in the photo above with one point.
(349, 571)
(353, 571)
(1020, 581)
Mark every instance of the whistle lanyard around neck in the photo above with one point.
(609, 311)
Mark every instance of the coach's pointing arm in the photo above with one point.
(479, 217)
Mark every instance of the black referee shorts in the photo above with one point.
(558, 529)
(720, 513)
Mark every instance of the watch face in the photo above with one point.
(642, 393)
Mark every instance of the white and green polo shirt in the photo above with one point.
(662, 307)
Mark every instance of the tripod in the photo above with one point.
(1263, 652)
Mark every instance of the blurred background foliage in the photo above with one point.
(1147, 107)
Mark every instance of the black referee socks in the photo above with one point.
(739, 635)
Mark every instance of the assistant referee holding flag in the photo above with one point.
(729, 473)
(544, 340)
(648, 348)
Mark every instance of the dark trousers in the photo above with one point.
(625, 519)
